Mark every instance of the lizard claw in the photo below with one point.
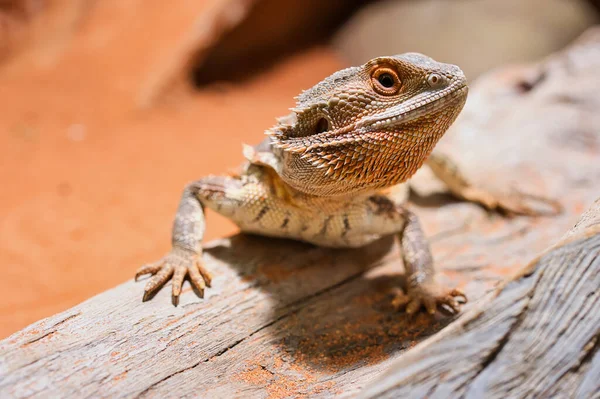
(430, 296)
(176, 264)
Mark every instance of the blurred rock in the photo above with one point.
(148, 45)
(271, 31)
(477, 35)
(15, 16)
(595, 3)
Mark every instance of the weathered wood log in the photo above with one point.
(535, 336)
(286, 319)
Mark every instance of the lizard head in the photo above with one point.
(368, 127)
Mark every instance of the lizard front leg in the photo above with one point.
(515, 203)
(422, 288)
(185, 257)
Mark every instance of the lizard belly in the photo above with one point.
(338, 226)
(256, 207)
(330, 231)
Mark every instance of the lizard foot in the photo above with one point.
(516, 203)
(177, 264)
(429, 296)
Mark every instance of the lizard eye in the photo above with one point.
(435, 80)
(386, 81)
(322, 125)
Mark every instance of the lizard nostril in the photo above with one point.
(435, 80)
(322, 125)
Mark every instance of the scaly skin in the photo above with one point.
(329, 172)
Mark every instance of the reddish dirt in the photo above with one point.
(90, 182)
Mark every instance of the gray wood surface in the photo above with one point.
(536, 336)
(287, 319)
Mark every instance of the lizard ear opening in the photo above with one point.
(322, 125)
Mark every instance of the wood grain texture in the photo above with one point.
(287, 319)
(536, 336)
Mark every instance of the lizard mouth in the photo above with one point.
(393, 117)
(417, 108)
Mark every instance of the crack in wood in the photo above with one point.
(590, 350)
(49, 333)
(514, 326)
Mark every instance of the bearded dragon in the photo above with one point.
(328, 174)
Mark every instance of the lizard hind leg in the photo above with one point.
(511, 203)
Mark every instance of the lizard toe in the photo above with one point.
(413, 306)
(178, 276)
(150, 268)
(206, 275)
(399, 299)
(197, 280)
(158, 280)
